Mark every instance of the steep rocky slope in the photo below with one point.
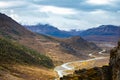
(115, 62)
(11, 29)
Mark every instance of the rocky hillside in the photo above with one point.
(11, 29)
(79, 45)
(110, 72)
(115, 62)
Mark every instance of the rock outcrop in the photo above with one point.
(115, 62)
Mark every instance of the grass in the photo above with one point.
(12, 53)
(26, 72)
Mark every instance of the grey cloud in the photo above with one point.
(86, 15)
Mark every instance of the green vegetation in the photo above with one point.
(5, 35)
(12, 53)
(15, 32)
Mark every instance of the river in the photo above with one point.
(61, 70)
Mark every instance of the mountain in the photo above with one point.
(48, 30)
(79, 44)
(19, 58)
(105, 36)
(53, 47)
(109, 72)
(105, 30)
(109, 33)
(12, 52)
(28, 56)
(103, 33)
(66, 41)
(10, 28)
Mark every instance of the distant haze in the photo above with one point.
(64, 14)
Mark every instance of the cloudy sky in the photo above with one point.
(64, 14)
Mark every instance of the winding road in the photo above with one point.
(61, 70)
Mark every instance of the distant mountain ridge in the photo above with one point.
(102, 33)
(48, 30)
(105, 30)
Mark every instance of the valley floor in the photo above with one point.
(70, 67)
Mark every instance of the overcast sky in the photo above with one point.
(64, 14)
